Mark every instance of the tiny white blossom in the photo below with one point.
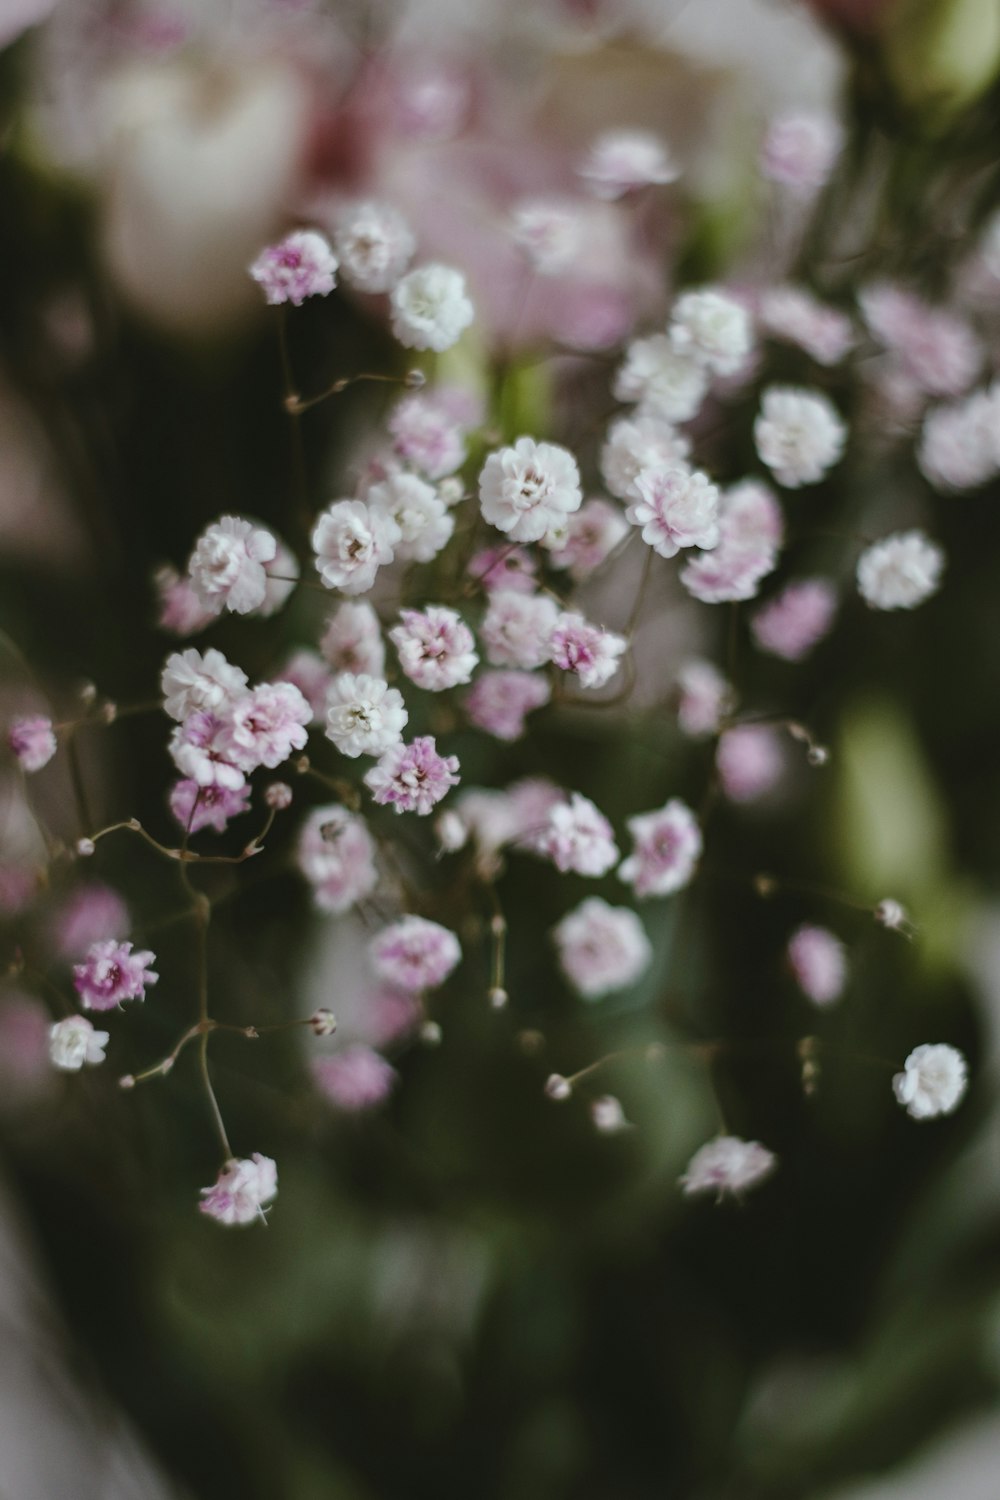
(548, 232)
(799, 434)
(374, 244)
(664, 383)
(74, 1043)
(619, 161)
(728, 1165)
(900, 572)
(712, 329)
(365, 715)
(933, 1081)
(430, 309)
(637, 443)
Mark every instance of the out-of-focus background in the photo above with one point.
(469, 1292)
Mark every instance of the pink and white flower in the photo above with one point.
(414, 777)
(602, 948)
(622, 161)
(265, 725)
(712, 329)
(549, 233)
(228, 565)
(301, 266)
(797, 317)
(800, 151)
(352, 541)
(307, 671)
(365, 715)
(374, 245)
(196, 807)
(677, 507)
(751, 761)
(242, 1191)
(499, 702)
(589, 652)
(436, 648)
(799, 434)
(728, 1165)
(529, 489)
(507, 568)
(32, 741)
(426, 434)
(934, 347)
(200, 750)
(819, 963)
(191, 680)
(751, 528)
(415, 954)
(666, 847)
(517, 629)
(423, 520)
(664, 383)
(791, 624)
(592, 534)
(637, 443)
(112, 973)
(91, 912)
(354, 1079)
(352, 641)
(576, 836)
(959, 446)
(705, 698)
(901, 571)
(336, 854)
(181, 610)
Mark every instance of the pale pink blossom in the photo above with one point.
(191, 680)
(933, 1082)
(592, 534)
(602, 948)
(374, 245)
(111, 973)
(795, 316)
(499, 702)
(32, 741)
(265, 725)
(621, 161)
(301, 266)
(436, 648)
(354, 1079)
(430, 309)
(91, 912)
(517, 629)
(278, 795)
(415, 954)
(677, 507)
(728, 1165)
(666, 847)
(196, 807)
(424, 523)
(664, 383)
(390, 1014)
(528, 489)
(608, 1115)
(900, 572)
(227, 567)
(242, 1191)
(819, 963)
(549, 232)
(352, 640)
(959, 446)
(414, 777)
(637, 443)
(799, 434)
(200, 751)
(505, 568)
(712, 329)
(336, 854)
(308, 671)
(426, 434)
(705, 697)
(352, 541)
(800, 150)
(750, 760)
(589, 652)
(365, 715)
(791, 624)
(181, 611)
(936, 348)
(74, 1044)
(751, 530)
(576, 836)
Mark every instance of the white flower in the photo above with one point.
(608, 1115)
(527, 490)
(74, 1042)
(960, 444)
(227, 565)
(602, 948)
(352, 541)
(711, 329)
(900, 572)
(799, 434)
(665, 383)
(549, 233)
(191, 680)
(728, 1165)
(365, 715)
(676, 508)
(425, 525)
(374, 244)
(637, 443)
(620, 161)
(933, 1081)
(242, 1190)
(430, 309)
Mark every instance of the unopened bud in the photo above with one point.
(892, 914)
(557, 1087)
(608, 1115)
(85, 848)
(127, 1081)
(323, 1022)
(278, 795)
(430, 1034)
(498, 997)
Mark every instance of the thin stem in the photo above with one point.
(79, 787)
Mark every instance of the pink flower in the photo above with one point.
(498, 702)
(728, 1165)
(677, 507)
(264, 726)
(353, 641)
(242, 1191)
(797, 317)
(592, 534)
(588, 651)
(414, 777)
(301, 266)
(190, 680)
(227, 565)
(667, 845)
(602, 948)
(790, 625)
(355, 1078)
(307, 671)
(336, 854)
(91, 912)
(621, 161)
(937, 349)
(818, 962)
(637, 443)
(704, 698)
(529, 489)
(750, 761)
(32, 741)
(517, 629)
(576, 836)
(436, 648)
(427, 435)
(800, 151)
(959, 445)
(181, 610)
(111, 973)
(200, 751)
(196, 807)
(548, 232)
(510, 569)
(352, 541)
(750, 533)
(415, 954)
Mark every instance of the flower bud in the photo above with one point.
(557, 1087)
(323, 1022)
(278, 795)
